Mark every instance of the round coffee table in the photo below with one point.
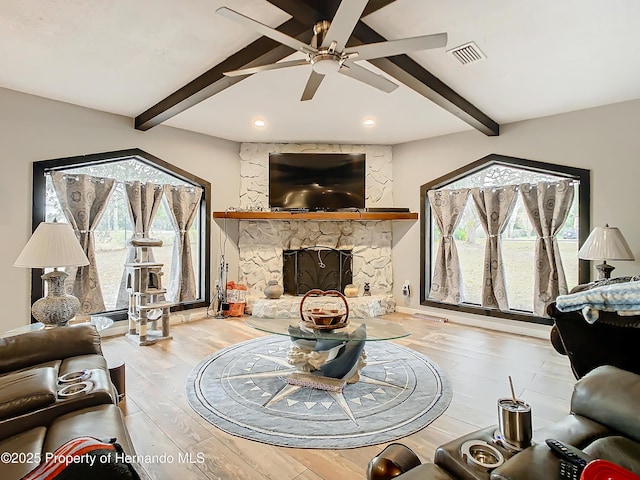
(327, 358)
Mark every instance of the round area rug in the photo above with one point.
(242, 390)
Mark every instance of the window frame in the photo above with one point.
(426, 246)
(38, 211)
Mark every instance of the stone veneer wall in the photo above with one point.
(261, 242)
(254, 170)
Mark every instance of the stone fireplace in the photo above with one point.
(262, 243)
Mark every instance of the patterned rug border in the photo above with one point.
(241, 419)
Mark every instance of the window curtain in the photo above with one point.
(494, 206)
(447, 207)
(547, 205)
(183, 203)
(83, 199)
(144, 200)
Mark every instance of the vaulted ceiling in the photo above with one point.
(162, 62)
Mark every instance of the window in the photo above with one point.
(517, 240)
(115, 227)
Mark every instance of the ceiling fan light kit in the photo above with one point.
(327, 54)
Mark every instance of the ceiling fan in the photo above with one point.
(327, 53)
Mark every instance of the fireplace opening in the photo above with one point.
(316, 267)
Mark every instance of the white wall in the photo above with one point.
(604, 140)
(33, 128)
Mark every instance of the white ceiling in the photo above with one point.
(121, 56)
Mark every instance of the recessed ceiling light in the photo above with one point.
(259, 123)
(369, 122)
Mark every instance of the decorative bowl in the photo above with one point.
(324, 318)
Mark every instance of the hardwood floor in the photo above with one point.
(478, 362)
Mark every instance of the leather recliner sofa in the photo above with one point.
(34, 418)
(604, 422)
(611, 340)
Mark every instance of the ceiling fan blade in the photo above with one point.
(397, 47)
(368, 77)
(265, 30)
(264, 68)
(315, 79)
(343, 23)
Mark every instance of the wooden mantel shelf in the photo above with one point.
(258, 215)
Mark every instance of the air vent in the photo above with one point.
(467, 53)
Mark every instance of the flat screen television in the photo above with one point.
(316, 181)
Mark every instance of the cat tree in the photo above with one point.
(146, 295)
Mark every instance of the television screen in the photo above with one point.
(318, 182)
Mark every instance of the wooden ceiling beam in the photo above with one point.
(400, 67)
(418, 78)
(260, 52)
(305, 14)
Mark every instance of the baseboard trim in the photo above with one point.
(498, 324)
(175, 318)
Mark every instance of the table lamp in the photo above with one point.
(605, 243)
(53, 245)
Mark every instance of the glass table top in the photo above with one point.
(101, 323)
(377, 329)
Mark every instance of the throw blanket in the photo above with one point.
(623, 298)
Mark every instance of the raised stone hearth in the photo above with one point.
(288, 306)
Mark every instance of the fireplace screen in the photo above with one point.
(322, 268)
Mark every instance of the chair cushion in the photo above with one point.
(102, 421)
(619, 450)
(26, 451)
(85, 457)
(26, 391)
(609, 395)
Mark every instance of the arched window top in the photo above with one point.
(496, 170)
(129, 170)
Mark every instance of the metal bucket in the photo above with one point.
(514, 422)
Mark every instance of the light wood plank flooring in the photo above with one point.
(477, 361)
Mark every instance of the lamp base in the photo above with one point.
(604, 270)
(57, 308)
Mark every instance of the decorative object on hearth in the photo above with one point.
(367, 289)
(53, 245)
(243, 390)
(144, 285)
(351, 291)
(273, 289)
(605, 243)
(327, 54)
(323, 318)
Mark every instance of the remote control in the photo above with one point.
(572, 459)
(568, 452)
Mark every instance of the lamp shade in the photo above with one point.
(52, 245)
(605, 243)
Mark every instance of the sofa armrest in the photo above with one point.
(33, 348)
(394, 460)
(609, 395)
